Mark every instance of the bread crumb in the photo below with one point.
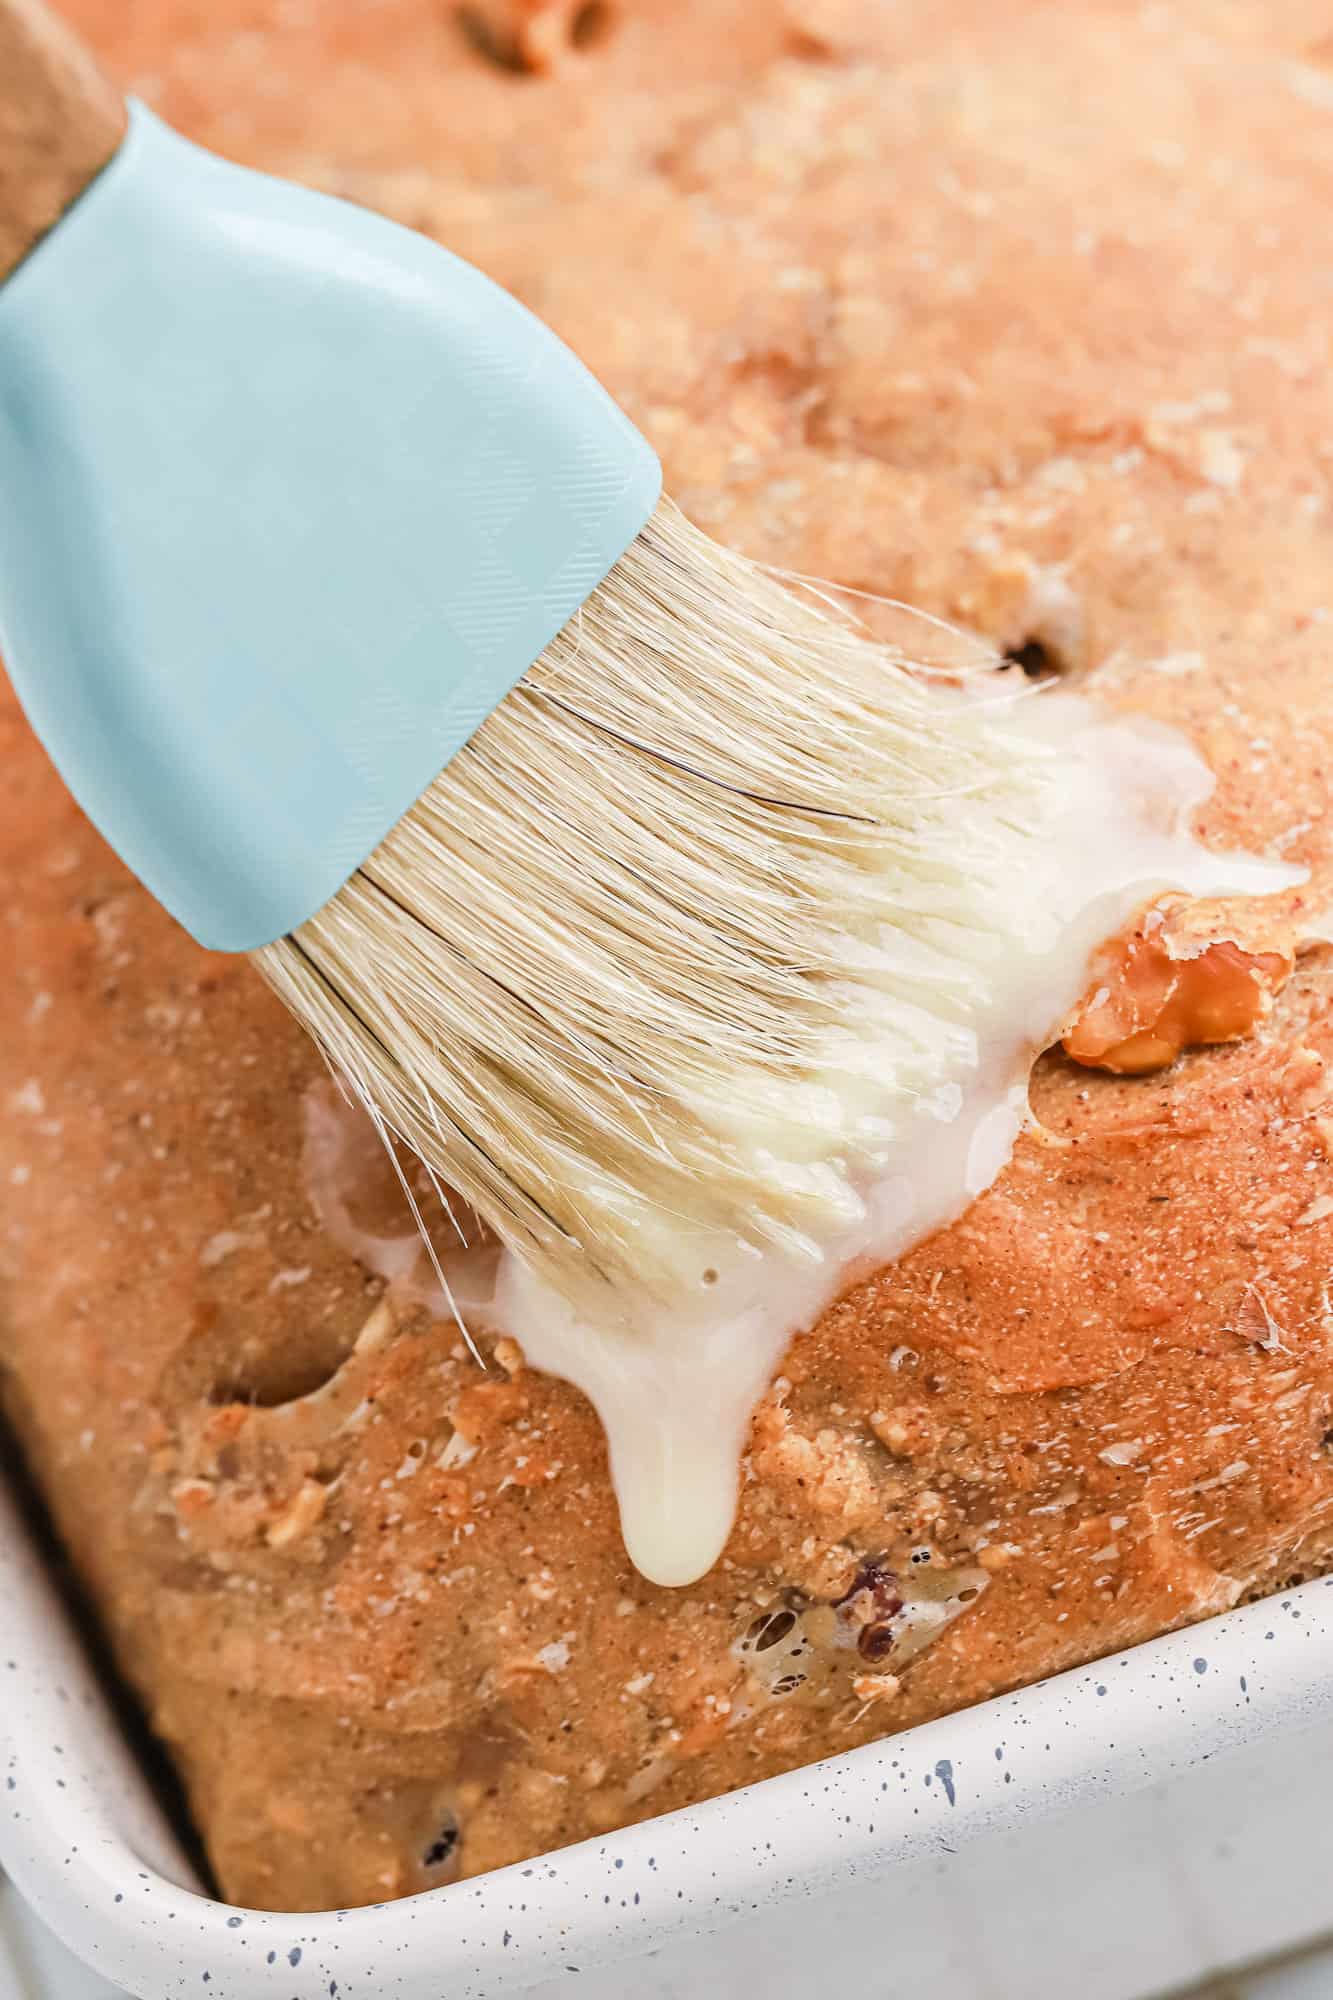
(1221, 461)
(283, 1280)
(222, 1245)
(1122, 1454)
(301, 1515)
(876, 1687)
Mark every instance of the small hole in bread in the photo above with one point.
(772, 1629)
(284, 1374)
(591, 24)
(530, 40)
(443, 1845)
(489, 41)
(1038, 659)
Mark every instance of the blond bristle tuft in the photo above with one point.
(605, 977)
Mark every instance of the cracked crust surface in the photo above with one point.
(1021, 327)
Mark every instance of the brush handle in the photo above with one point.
(340, 474)
(60, 122)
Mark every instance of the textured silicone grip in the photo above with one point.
(290, 498)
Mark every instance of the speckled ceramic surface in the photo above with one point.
(81, 1837)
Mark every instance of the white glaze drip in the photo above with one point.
(675, 1382)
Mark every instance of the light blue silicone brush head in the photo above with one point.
(290, 499)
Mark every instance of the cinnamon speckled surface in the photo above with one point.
(1032, 329)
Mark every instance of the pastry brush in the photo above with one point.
(347, 604)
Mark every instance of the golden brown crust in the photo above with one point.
(60, 122)
(1015, 325)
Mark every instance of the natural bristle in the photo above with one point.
(605, 977)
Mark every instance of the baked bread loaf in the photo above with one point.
(1015, 320)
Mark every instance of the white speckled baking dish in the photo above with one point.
(83, 1838)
